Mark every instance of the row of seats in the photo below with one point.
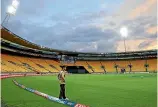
(109, 66)
(10, 63)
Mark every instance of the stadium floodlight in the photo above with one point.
(15, 3)
(124, 34)
(11, 10)
(124, 31)
(13, 7)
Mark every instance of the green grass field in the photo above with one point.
(111, 90)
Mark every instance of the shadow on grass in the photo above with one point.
(4, 104)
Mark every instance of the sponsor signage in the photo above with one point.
(51, 98)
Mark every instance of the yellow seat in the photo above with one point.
(152, 65)
(12, 63)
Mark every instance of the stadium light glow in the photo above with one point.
(124, 34)
(13, 7)
(124, 31)
(11, 10)
(15, 3)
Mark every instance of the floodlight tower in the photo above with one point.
(11, 10)
(124, 34)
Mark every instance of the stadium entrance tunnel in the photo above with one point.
(76, 70)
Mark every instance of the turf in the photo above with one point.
(110, 90)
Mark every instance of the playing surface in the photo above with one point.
(111, 90)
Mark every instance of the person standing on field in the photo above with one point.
(61, 78)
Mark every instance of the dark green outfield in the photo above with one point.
(111, 90)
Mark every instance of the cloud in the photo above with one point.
(112, 23)
(148, 44)
(96, 41)
(137, 45)
(153, 45)
(87, 31)
(138, 27)
(152, 30)
(144, 44)
(142, 8)
(85, 38)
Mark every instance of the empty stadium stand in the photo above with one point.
(11, 63)
(109, 66)
(19, 55)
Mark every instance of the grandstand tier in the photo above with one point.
(12, 63)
